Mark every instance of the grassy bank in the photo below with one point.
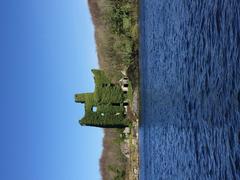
(116, 35)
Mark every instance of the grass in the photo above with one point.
(130, 92)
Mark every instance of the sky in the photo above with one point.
(47, 50)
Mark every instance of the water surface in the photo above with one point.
(190, 89)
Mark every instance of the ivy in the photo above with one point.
(108, 99)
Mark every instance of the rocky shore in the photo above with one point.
(131, 144)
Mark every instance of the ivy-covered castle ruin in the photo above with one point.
(106, 106)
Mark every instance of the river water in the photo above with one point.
(190, 89)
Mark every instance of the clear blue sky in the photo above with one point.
(47, 51)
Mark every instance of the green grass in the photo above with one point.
(130, 93)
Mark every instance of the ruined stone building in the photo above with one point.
(106, 106)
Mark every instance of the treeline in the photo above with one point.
(112, 162)
(116, 35)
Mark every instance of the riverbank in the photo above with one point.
(132, 169)
(116, 35)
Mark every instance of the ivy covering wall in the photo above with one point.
(108, 100)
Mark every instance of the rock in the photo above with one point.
(135, 104)
(125, 149)
(126, 130)
(133, 141)
(126, 141)
(135, 171)
(124, 72)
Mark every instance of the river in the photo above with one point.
(190, 89)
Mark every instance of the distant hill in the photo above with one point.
(116, 34)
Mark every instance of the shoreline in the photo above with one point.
(133, 165)
(116, 25)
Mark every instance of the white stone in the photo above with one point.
(126, 141)
(135, 171)
(126, 130)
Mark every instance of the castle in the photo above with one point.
(106, 106)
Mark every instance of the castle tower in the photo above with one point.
(105, 107)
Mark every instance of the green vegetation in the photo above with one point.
(116, 34)
(119, 174)
(108, 101)
(116, 27)
(130, 92)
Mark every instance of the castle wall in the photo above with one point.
(104, 98)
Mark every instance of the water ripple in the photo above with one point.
(190, 53)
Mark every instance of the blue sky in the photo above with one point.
(47, 51)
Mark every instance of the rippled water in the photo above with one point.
(190, 89)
